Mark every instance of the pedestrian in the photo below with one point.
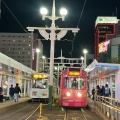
(11, 93)
(93, 93)
(1, 94)
(97, 92)
(107, 92)
(16, 92)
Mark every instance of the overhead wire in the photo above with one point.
(78, 26)
(14, 17)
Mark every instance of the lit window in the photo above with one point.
(29, 45)
(28, 52)
(29, 36)
(19, 52)
(23, 48)
(23, 40)
(13, 40)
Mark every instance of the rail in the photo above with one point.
(81, 115)
(107, 107)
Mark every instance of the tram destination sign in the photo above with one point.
(108, 67)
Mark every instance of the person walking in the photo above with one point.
(11, 93)
(1, 94)
(93, 93)
(107, 91)
(16, 92)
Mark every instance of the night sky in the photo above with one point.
(27, 13)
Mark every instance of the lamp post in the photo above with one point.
(82, 58)
(43, 58)
(52, 36)
(85, 52)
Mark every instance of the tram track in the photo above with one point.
(74, 115)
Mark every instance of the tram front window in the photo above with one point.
(41, 83)
(74, 83)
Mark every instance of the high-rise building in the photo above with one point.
(22, 48)
(105, 29)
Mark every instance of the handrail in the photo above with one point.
(110, 103)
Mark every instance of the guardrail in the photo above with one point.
(109, 108)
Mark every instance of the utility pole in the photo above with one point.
(52, 36)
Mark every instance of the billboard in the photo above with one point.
(103, 47)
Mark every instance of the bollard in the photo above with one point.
(40, 117)
(53, 103)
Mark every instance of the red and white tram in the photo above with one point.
(73, 88)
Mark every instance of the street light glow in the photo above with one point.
(63, 11)
(85, 51)
(82, 58)
(43, 57)
(37, 50)
(43, 11)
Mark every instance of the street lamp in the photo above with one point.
(85, 52)
(43, 58)
(82, 58)
(52, 36)
(37, 50)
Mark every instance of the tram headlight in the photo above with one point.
(68, 94)
(79, 94)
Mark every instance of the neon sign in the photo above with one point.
(103, 47)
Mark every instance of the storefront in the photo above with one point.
(12, 72)
(105, 73)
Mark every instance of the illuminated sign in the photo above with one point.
(39, 76)
(103, 47)
(106, 20)
(74, 73)
(107, 67)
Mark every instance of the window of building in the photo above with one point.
(28, 52)
(29, 45)
(23, 48)
(18, 52)
(13, 40)
(23, 40)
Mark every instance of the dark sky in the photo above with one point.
(27, 12)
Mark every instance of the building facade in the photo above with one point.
(20, 47)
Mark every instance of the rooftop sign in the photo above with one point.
(106, 20)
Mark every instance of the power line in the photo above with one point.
(14, 16)
(78, 26)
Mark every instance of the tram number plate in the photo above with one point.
(39, 94)
(65, 97)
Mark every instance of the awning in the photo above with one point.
(96, 69)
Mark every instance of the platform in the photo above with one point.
(8, 104)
